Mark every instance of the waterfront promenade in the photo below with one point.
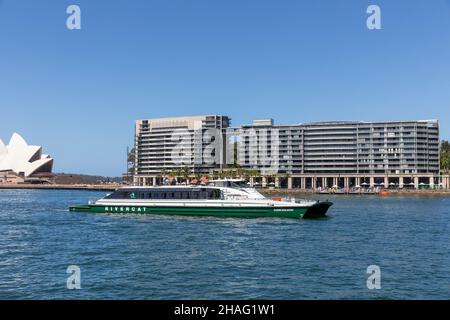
(91, 187)
(265, 191)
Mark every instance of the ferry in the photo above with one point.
(223, 198)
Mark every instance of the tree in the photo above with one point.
(445, 146)
(185, 172)
(176, 172)
(164, 172)
(131, 161)
(445, 156)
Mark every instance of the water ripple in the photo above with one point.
(164, 257)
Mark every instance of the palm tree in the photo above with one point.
(164, 172)
(240, 172)
(445, 156)
(186, 173)
(176, 172)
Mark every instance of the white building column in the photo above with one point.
(154, 181)
(277, 182)
(372, 182)
(400, 182)
(289, 183)
(416, 182)
(386, 182)
(303, 183)
(431, 182)
(264, 181)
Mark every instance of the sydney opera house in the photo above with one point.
(19, 158)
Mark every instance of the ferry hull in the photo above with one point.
(317, 210)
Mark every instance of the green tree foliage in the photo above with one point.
(445, 146)
(445, 156)
(131, 159)
(186, 172)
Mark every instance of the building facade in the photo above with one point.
(166, 144)
(344, 154)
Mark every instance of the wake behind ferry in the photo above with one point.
(223, 198)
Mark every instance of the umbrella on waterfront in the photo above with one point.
(335, 186)
(411, 183)
(392, 184)
(357, 186)
(364, 183)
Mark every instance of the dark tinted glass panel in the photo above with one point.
(195, 194)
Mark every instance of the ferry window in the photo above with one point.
(178, 195)
(185, 195)
(118, 195)
(195, 194)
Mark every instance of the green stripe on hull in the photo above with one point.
(317, 210)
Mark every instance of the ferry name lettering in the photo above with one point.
(125, 209)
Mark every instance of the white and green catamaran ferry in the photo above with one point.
(222, 198)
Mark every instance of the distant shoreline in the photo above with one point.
(99, 187)
(267, 192)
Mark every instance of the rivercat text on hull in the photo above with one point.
(218, 198)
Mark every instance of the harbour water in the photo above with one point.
(160, 257)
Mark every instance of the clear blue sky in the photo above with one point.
(77, 93)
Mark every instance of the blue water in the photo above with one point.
(160, 257)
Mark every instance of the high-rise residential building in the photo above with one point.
(166, 144)
(343, 151)
(321, 154)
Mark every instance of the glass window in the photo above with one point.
(194, 194)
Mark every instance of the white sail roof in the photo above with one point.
(20, 157)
